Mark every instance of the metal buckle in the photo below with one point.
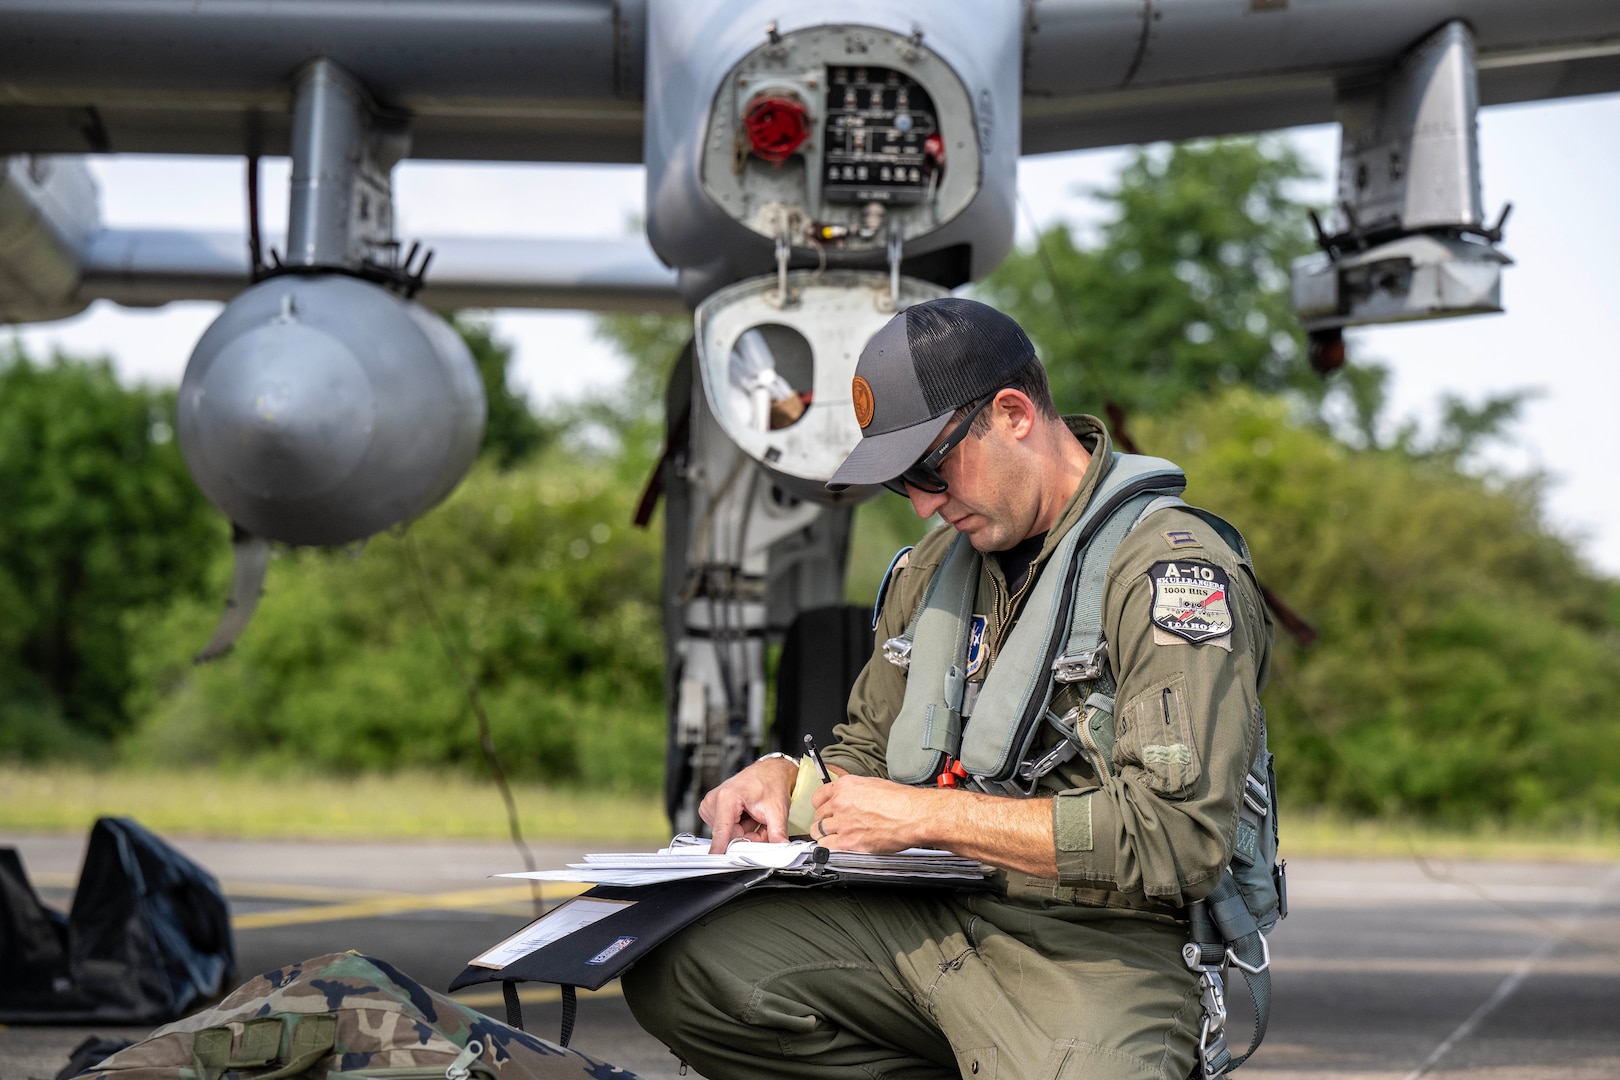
(897, 651)
(1265, 962)
(1192, 954)
(1212, 1045)
(1036, 768)
(1254, 795)
(1082, 666)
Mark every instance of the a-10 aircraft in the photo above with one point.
(811, 168)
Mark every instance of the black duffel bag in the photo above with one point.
(148, 938)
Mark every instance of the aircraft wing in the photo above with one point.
(564, 80)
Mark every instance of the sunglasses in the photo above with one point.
(924, 475)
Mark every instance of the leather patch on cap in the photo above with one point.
(860, 392)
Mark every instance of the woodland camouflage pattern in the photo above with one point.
(382, 1021)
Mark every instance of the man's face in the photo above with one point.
(993, 497)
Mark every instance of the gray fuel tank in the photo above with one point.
(320, 409)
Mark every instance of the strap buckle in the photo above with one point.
(1081, 666)
(1036, 768)
(897, 651)
(1214, 1054)
(1265, 958)
(1254, 795)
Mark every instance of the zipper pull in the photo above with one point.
(460, 1069)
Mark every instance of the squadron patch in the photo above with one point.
(1190, 600)
(975, 656)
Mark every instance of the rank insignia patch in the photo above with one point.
(975, 656)
(1190, 600)
(1177, 538)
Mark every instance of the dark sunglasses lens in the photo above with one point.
(920, 477)
(925, 478)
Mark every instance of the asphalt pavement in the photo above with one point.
(1386, 969)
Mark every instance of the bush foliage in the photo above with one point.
(547, 596)
(98, 518)
(1468, 666)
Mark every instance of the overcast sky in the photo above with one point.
(1560, 336)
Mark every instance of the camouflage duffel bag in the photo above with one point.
(344, 1014)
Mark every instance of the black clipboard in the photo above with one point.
(597, 954)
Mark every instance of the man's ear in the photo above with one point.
(1016, 410)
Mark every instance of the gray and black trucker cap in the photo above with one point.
(912, 376)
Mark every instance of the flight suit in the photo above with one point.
(1077, 976)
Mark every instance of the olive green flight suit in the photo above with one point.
(1075, 977)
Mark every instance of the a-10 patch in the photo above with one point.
(1190, 600)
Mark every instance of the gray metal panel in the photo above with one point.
(486, 79)
(1089, 46)
(147, 267)
(405, 51)
(47, 215)
(1242, 106)
(1106, 72)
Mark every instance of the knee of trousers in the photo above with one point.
(648, 987)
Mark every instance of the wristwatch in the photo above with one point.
(779, 754)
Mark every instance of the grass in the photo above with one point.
(1331, 836)
(420, 805)
(427, 805)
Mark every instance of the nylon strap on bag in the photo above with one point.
(570, 1006)
(514, 1007)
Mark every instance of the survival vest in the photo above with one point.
(1058, 639)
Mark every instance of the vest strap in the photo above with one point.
(1013, 698)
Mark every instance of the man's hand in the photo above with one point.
(862, 813)
(752, 805)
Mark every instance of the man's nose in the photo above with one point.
(925, 503)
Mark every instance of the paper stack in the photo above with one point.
(688, 856)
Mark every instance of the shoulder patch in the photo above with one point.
(901, 560)
(1190, 600)
(1180, 538)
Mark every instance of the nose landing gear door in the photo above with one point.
(776, 356)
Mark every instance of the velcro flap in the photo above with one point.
(211, 1047)
(261, 1042)
(312, 1034)
(942, 729)
(1071, 822)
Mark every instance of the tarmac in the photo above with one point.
(1384, 970)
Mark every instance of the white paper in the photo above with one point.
(688, 856)
(558, 923)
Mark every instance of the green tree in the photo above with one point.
(1468, 667)
(99, 519)
(1184, 291)
(632, 415)
(512, 432)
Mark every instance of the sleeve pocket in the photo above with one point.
(1155, 739)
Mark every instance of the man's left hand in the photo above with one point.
(863, 813)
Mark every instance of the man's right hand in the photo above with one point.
(752, 805)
